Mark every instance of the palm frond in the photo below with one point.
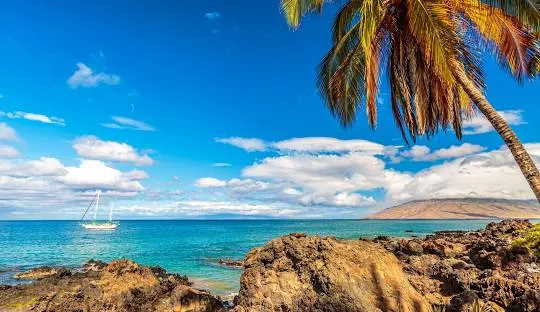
(340, 78)
(400, 93)
(431, 24)
(512, 43)
(527, 12)
(534, 66)
(372, 34)
(295, 9)
(348, 15)
(424, 45)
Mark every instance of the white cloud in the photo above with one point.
(47, 185)
(329, 172)
(492, 174)
(204, 208)
(416, 152)
(331, 145)
(93, 148)
(297, 178)
(212, 15)
(34, 117)
(135, 175)
(314, 145)
(423, 153)
(45, 166)
(209, 182)
(247, 144)
(333, 180)
(84, 76)
(221, 164)
(94, 174)
(479, 124)
(7, 151)
(7, 133)
(128, 123)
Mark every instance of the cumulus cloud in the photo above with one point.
(205, 208)
(330, 172)
(47, 183)
(492, 174)
(85, 77)
(478, 124)
(247, 144)
(333, 180)
(94, 174)
(423, 153)
(332, 145)
(7, 151)
(128, 123)
(7, 133)
(93, 148)
(313, 145)
(297, 178)
(44, 166)
(209, 182)
(212, 15)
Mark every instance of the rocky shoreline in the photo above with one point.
(448, 271)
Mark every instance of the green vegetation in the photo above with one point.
(478, 306)
(530, 240)
(438, 308)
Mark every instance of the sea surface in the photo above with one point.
(182, 246)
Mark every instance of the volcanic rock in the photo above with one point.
(122, 285)
(310, 273)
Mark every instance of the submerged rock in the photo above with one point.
(310, 273)
(37, 273)
(234, 263)
(122, 285)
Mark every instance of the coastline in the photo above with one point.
(466, 261)
(186, 247)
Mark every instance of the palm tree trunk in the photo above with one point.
(523, 159)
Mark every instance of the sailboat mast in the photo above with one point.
(97, 205)
(110, 212)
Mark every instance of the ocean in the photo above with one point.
(189, 247)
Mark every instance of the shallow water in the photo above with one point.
(182, 246)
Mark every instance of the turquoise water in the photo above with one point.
(181, 246)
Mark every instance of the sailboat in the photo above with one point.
(99, 225)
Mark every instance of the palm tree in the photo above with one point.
(430, 50)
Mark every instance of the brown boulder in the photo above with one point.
(458, 267)
(310, 273)
(413, 247)
(512, 228)
(121, 286)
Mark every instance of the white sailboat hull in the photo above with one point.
(103, 226)
(100, 226)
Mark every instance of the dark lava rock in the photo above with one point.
(456, 267)
(122, 285)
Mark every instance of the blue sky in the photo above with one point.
(148, 97)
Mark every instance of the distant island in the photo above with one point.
(465, 208)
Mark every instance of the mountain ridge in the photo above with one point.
(461, 208)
